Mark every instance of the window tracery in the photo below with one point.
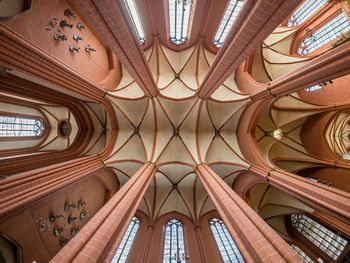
(122, 253)
(325, 34)
(227, 247)
(328, 241)
(305, 11)
(179, 19)
(174, 243)
(227, 21)
(19, 126)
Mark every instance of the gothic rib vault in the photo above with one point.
(167, 122)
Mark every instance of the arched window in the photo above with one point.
(228, 248)
(136, 21)
(227, 21)
(304, 11)
(174, 243)
(19, 126)
(124, 248)
(328, 32)
(328, 241)
(302, 254)
(179, 19)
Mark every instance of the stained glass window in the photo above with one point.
(174, 243)
(136, 21)
(227, 247)
(179, 19)
(17, 126)
(324, 34)
(227, 21)
(328, 241)
(304, 11)
(125, 245)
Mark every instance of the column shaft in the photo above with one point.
(319, 196)
(257, 241)
(22, 189)
(98, 238)
(333, 64)
(111, 21)
(256, 21)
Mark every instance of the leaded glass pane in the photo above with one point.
(174, 243)
(328, 241)
(122, 253)
(227, 21)
(135, 18)
(179, 19)
(306, 10)
(328, 32)
(227, 247)
(16, 126)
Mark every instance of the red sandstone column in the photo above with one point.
(110, 20)
(22, 189)
(256, 240)
(20, 55)
(319, 196)
(256, 21)
(331, 65)
(98, 239)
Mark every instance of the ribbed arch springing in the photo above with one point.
(325, 34)
(305, 11)
(20, 126)
(227, 247)
(327, 240)
(123, 251)
(174, 242)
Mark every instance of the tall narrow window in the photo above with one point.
(325, 34)
(227, 21)
(228, 248)
(174, 243)
(328, 241)
(123, 250)
(18, 126)
(302, 254)
(136, 21)
(179, 19)
(304, 11)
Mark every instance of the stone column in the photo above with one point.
(22, 189)
(333, 64)
(319, 196)
(256, 240)
(98, 239)
(110, 20)
(256, 21)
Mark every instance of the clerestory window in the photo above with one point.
(325, 34)
(327, 240)
(174, 243)
(313, 88)
(179, 19)
(227, 247)
(19, 126)
(227, 21)
(122, 253)
(304, 11)
(136, 20)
